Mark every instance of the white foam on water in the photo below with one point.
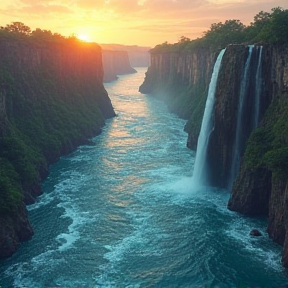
(41, 201)
(79, 219)
(81, 158)
(261, 246)
(184, 190)
(21, 272)
(183, 186)
(139, 243)
(136, 243)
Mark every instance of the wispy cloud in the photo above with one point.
(141, 22)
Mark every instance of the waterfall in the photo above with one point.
(258, 88)
(200, 171)
(239, 125)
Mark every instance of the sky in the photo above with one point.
(131, 22)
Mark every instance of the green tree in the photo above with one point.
(18, 27)
(270, 27)
(222, 34)
(258, 27)
(279, 26)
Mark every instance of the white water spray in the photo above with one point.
(258, 89)
(200, 171)
(239, 127)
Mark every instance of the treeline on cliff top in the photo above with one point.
(44, 115)
(18, 31)
(270, 28)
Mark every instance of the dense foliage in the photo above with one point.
(48, 109)
(267, 27)
(268, 145)
(20, 32)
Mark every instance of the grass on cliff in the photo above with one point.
(268, 144)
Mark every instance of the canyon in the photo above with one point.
(52, 99)
(258, 184)
(68, 77)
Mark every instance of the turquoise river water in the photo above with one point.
(123, 213)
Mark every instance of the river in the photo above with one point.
(122, 212)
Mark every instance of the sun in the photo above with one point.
(83, 37)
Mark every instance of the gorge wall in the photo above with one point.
(138, 55)
(52, 99)
(261, 185)
(115, 63)
(181, 79)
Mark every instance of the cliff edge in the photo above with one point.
(181, 80)
(52, 99)
(115, 63)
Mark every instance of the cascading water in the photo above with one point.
(258, 88)
(113, 212)
(200, 171)
(255, 91)
(239, 127)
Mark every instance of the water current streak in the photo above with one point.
(121, 213)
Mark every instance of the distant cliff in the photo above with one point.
(115, 63)
(52, 99)
(138, 55)
(181, 80)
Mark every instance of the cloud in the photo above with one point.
(28, 8)
(46, 9)
(151, 21)
(91, 4)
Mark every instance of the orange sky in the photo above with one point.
(140, 22)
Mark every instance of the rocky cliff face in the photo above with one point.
(190, 68)
(115, 63)
(181, 80)
(235, 110)
(52, 99)
(138, 55)
(261, 185)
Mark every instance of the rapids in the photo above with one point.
(123, 213)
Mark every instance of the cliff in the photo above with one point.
(235, 109)
(115, 63)
(252, 163)
(256, 129)
(181, 80)
(52, 99)
(138, 55)
(261, 185)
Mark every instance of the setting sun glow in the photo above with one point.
(131, 22)
(83, 37)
